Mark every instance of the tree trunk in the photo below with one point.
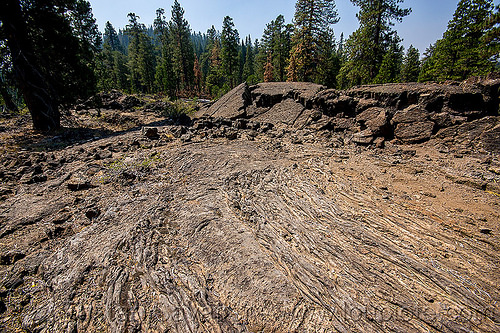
(7, 98)
(36, 91)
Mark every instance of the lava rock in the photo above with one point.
(375, 119)
(414, 132)
(150, 132)
(78, 184)
(365, 137)
(411, 114)
(233, 104)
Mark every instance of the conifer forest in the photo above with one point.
(53, 54)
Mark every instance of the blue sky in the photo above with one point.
(424, 26)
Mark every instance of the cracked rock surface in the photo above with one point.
(243, 225)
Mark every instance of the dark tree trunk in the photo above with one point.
(9, 103)
(37, 93)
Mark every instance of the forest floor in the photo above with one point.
(107, 227)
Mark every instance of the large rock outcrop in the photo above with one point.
(408, 112)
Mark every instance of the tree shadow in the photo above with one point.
(69, 136)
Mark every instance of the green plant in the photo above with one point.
(178, 108)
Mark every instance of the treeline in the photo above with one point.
(53, 54)
(167, 57)
(209, 64)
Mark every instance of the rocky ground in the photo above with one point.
(280, 208)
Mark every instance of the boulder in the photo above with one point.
(150, 132)
(128, 102)
(331, 102)
(233, 104)
(324, 123)
(491, 139)
(431, 101)
(76, 183)
(364, 104)
(414, 132)
(413, 113)
(376, 119)
(342, 124)
(442, 119)
(285, 112)
(304, 118)
(365, 137)
(270, 93)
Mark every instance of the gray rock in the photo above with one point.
(270, 93)
(342, 124)
(332, 102)
(364, 104)
(233, 104)
(285, 112)
(186, 137)
(414, 132)
(411, 114)
(491, 139)
(375, 119)
(128, 102)
(231, 134)
(78, 184)
(442, 119)
(365, 137)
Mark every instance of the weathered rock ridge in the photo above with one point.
(410, 112)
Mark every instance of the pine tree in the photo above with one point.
(340, 48)
(367, 46)
(164, 76)
(428, 63)
(411, 65)
(229, 52)
(242, 54)
(491, 37)
(313, 20)
(276, 44)
(470, 44)
(197, 76)
(141, 56)
(52, 50)
(84, 26)
(182, 49)
(104, 68)
(111, 38)
(268, 70)
(120, 71)
(390, 68)
(214, 78)
(111, 63)
(248, 68)
(211, 36)
(329, 61)
(7, 87)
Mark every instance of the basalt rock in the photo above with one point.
(410, 112)
(414, 132)
(376, 120)
(232, 105)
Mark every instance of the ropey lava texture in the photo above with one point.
(274, 210)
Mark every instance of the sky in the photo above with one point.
(425, 25)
